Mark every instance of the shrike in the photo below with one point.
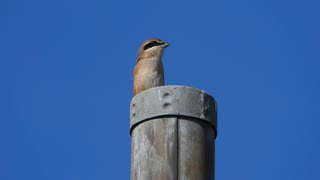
(148, 71)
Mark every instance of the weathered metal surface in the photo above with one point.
(154, 150)
(173, 131)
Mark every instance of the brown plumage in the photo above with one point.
(148, 71)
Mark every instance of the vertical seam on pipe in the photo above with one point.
(177, 119)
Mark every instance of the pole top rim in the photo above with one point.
(173, 100)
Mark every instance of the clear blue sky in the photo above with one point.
(66, 83)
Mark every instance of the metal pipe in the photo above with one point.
(173, 131)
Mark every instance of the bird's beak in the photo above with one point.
(166, 44)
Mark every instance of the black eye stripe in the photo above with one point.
(151, 44)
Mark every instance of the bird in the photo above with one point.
(148, 71)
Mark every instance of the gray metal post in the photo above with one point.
(173, 131)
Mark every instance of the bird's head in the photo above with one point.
(152, 48)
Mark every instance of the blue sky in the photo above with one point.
(66, 83)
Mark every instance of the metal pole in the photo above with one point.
(173, 131)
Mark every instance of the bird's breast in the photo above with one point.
(149, 73)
